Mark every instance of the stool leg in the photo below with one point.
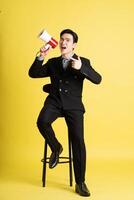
(70, 160)
(44, 165)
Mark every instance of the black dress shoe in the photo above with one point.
(54, 158)
(82, 189)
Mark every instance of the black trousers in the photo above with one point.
(74, 121)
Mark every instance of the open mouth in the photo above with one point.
(63, 47)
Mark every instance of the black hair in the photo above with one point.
(69, 31)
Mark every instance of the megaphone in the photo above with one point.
(46, 37)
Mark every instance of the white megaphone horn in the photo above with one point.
(46, 37)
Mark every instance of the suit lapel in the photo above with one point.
(59, 66)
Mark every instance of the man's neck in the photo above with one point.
(68, 56)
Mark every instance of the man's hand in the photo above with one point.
(76, 63)
(44, 50)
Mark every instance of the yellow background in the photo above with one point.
(106, 37)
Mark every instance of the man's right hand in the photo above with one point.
(44, 51)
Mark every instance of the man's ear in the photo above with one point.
(74, 45)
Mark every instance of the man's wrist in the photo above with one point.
(40, 58)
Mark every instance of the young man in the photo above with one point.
(67, 74)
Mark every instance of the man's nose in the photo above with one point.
(63, 42)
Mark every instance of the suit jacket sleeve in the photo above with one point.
(88, 72)
(38, 70)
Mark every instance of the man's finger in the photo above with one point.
(73, 59)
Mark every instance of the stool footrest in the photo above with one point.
(60, 162)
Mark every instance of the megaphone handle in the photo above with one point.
(46, 47)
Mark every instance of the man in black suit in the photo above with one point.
(67, 74)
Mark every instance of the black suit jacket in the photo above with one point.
(66, 85)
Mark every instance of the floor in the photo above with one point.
(106, 180)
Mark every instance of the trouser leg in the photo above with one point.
(74, 121)
(45, 119)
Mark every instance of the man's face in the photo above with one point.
(66, 44)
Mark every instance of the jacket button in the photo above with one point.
(66, 91)
(67, 82)
(75, 77)
(60, 89)
(60, 81)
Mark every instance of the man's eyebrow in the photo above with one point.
(67, 38)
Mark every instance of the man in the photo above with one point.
(67, 74)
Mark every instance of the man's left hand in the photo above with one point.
(76, 63)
